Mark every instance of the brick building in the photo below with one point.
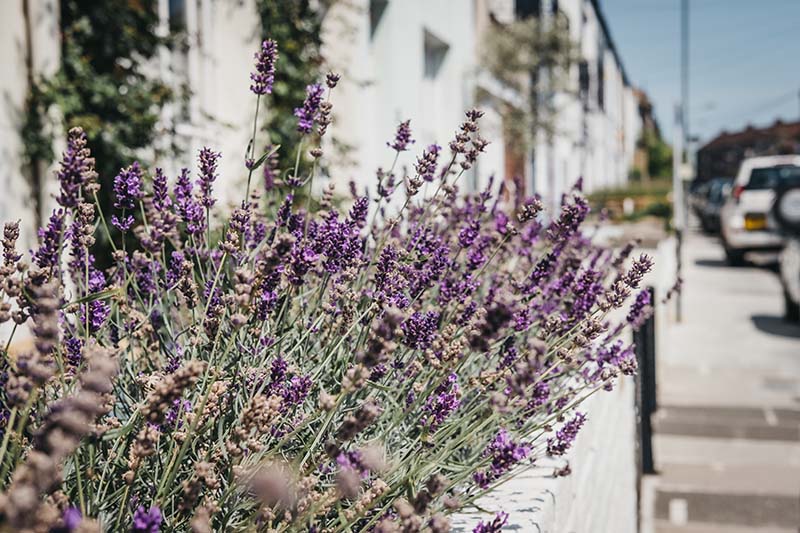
(722, 155)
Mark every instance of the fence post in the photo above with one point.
(647, 403)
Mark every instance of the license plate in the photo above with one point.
(755, 222)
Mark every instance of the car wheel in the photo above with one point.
(791, 309)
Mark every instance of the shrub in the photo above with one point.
(376, 369)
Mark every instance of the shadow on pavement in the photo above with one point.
(711, 263)
(775, 325)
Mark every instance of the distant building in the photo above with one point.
(722, 155)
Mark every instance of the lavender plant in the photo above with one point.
(303, 368)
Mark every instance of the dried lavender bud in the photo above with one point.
(159, 400)
(331, 79)
(10, 236)
(353, 424)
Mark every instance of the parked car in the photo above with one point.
(786, 212)
(709, 209)
(698, 192)
(744, 219)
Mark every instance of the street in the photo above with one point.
(727, 429)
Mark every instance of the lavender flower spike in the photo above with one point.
(402, 138)
(128, 187)
(208, 174)
(308, 112)
(264, 75)
(77, 168)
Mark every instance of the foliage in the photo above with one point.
(533, 58)
(103, 85)
(659, 155)
(299, 370)
(297, 26)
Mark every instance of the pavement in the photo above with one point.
(727, 429)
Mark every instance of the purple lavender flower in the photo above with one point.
(264, 75)
(175, 413)
(641, 266)
(285, 210)
(565, 436)
(308, 112)
(426, 164)
(296, 390)
(353, 460)
(495, 526)
(73, 348)
(123, 224)
(566, 225)
(48, 253)
(302, 260)
(505, 454)
(338, 241)
(446, 399)
(402, 137)
(161, 199)
(543, 270)
(208, 174)
(128, 187)
(419, 330)
(640, 309)
(76, 169)
(469, 232)
(390, 285)
(358, 213)
(72, 518)
(97, 310)
(147, 521)
(190, 211)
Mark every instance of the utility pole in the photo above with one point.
(681, 154)
(677, 203)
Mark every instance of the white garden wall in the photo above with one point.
(600, 494)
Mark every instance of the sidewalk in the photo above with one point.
(727, 432)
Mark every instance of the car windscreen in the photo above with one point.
(771, 177)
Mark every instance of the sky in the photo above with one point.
(744, 58)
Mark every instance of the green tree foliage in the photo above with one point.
(659, 155)
(296, 26)
(534, 59)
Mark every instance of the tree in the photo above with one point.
(102, 86)
(533, 58)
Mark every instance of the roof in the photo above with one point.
(611, 45)
(749, 135)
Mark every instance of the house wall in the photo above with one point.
(26, 49)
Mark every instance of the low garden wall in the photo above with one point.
(598, 496)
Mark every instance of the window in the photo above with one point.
(601, 76)
(771, 177)
(583, 80)
(435, 53)
(177, 16)
(527, 8)
(376, 10)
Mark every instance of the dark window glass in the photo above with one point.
(177, 15)
(771, 177)
(527, 8)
